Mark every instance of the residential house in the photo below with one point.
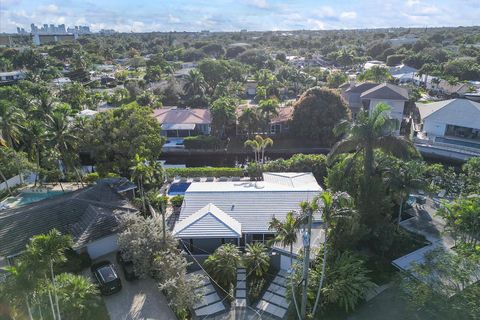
(214, 213)
(90, 215)
(449, 128)
(351, 95)
(183, 122)
(281, 122)
(11, 77)
(395, 96)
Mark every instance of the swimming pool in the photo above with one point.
(178, 188)
(27, 197)
(458, 142)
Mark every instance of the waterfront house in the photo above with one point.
(239, 212)
(183, 122)
(449, 128)
(90, 215)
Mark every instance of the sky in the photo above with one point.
(234, 15)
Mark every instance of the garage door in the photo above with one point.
(102, 247)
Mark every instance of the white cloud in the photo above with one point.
(411, 3)
(315, 24)
(51, 9)
(326, 11)
(262, 4)
(173, 19)
(348, 15)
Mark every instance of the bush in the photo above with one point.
(177, 201)
(92, 177)
(202, 142)
(75, 263)
(395, 59)
(204, 172)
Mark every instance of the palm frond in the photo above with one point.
(342, 146)
(397, 146)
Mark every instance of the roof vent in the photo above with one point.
(233, 207)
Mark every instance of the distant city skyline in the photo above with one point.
(234, 15)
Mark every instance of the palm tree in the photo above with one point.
(369, 132)
(248, 121)
(258, 145)
(34, 141)
(286, 232)
(256, 259)
(195, 84)
(44, 251)
(78, 296)
(140, 171)
(222, 265)
(11, 119)
(345, 57)
(333, 206)
(404, 179)
(268, 108)
(62, 138)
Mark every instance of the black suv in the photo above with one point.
(107, 278)
(127, 267)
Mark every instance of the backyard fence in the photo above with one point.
(18, 179)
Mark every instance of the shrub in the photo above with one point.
(204, 172)
(177, 201)
(75, 262)
(202, 142)
(92, 177)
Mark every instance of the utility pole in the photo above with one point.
(306, 262)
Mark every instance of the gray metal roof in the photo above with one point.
(252, 204)
(386, 91)
(87, 215)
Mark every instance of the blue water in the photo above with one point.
(178, 188)
(458, 142)
(30, 197)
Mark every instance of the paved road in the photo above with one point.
(138, 300)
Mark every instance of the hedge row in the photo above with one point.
(204, 172)
(202, 142)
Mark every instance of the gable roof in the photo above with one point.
(208, 220)
(361, 87)
(460, 112)
(87, 215)
(386, 91)
(284, 114)
(253, 204)
(174, 115)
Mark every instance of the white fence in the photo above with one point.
(12, 182)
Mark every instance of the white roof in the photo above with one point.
(208, 220)
(253, 204)
(459, 112)
(11, 73)
(88, 112)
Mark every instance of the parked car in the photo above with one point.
(127, 267)
(106, 277)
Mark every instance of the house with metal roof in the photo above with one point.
(449, 128)
(90, 215)
(239, 212)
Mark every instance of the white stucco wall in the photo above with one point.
(396, 111)
(434, 128)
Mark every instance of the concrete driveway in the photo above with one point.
(138, 299)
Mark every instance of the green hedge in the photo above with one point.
(204, 172)
(202, 142)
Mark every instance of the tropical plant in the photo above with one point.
(141, 171)
(369, 132)
(333, 206)
(347, 283)
(11, 119)
(195, 84)
(249, 121)
(258, 145)
(268, 109)
(256, 259)
(286, 232)
(223, 115)
(222, 265)
(403, 180)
